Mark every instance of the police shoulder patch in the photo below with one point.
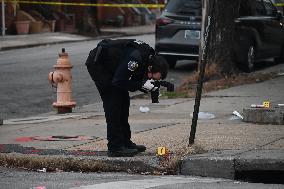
(132, 65)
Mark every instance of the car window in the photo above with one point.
(270, 9)
(245, 8)
(251, 8)
(259, 8)
(188, 7)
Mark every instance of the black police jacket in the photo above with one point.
(121, 63)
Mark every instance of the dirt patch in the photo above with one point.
(188, 87)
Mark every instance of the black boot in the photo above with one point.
(132, 145)
(122, 152)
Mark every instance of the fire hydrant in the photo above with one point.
(61, 78)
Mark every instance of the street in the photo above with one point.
(25, 90)
(229, 134)
(20, 179)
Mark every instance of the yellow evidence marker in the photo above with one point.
(162, 151)
(266, 104)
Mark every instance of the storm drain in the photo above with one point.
(259, 176)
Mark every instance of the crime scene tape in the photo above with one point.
(89, 4)
(279, 4)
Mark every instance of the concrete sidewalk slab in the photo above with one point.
(23, 41)
(9, 42)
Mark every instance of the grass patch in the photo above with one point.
(171, 95)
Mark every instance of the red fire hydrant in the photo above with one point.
(61, 78)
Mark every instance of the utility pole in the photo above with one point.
(3, 18)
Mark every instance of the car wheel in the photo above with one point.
(172, 62)
(250, 58)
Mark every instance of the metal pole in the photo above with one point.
(3, 18)
(197, 102)
(202, 67)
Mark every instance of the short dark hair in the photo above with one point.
(159, 64)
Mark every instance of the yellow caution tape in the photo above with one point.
(279, 4)
(90, 4)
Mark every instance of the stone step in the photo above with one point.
(273, 115)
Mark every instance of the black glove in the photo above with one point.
(170, 87)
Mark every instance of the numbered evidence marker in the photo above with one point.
(266, 104)
(162, 151)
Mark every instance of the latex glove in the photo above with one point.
(148, 86)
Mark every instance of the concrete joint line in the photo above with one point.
(182, 102)
(163, 126)
(39, 119)
(276, 140)
(89, 142)
(257, 147)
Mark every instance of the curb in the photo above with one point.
(71, 41)
(54, 43)
(137, 164)
(233, 164)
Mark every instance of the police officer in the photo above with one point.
(117, 67)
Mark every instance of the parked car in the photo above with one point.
(178, 30)
(258, 35)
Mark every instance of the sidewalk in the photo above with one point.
(227, 145)
(9, 42)
(224, 144)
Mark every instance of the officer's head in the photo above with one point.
(158, 68)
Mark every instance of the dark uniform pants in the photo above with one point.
(116, 104)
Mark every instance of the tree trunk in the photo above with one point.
(91, 23)
(219, 45)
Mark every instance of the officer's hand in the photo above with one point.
(148, 86)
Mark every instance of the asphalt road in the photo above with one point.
(22, 179)
(25, 90)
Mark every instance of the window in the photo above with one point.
(245, 9)
(270, 9)
(188, 7)
(259, 8)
